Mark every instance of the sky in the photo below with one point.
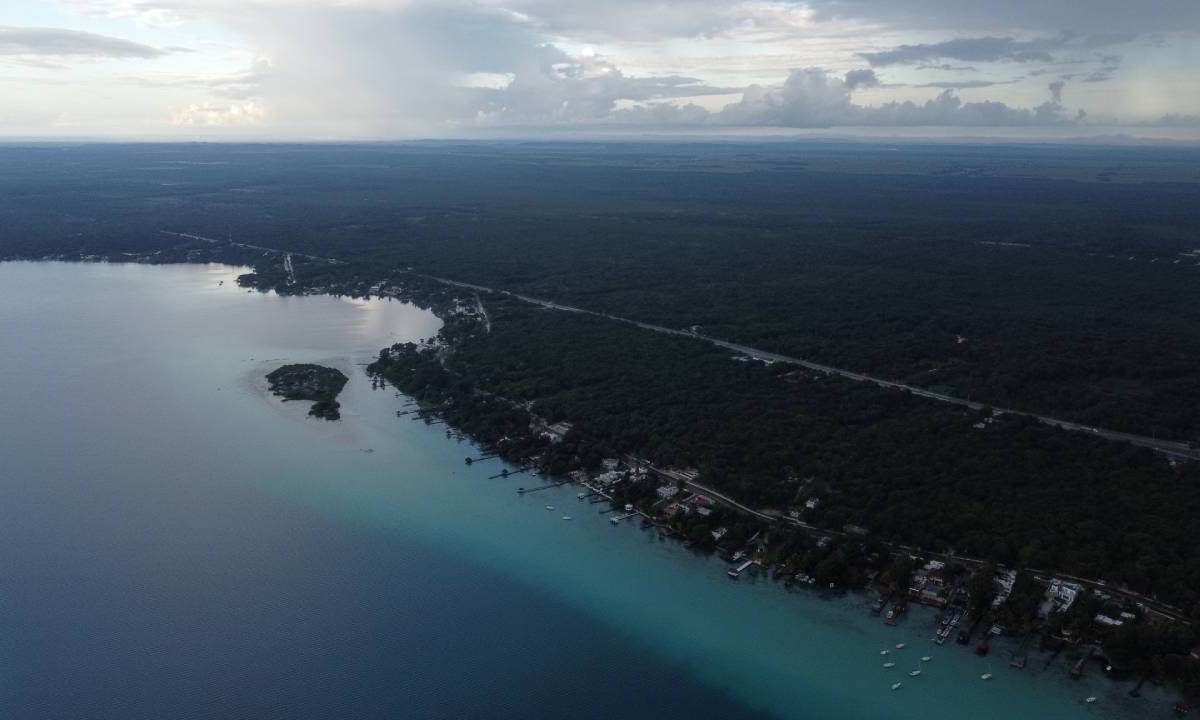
(399, 69)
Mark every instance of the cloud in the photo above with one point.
(1056, 89)
(557, 87)
(1100, 16)
(966, 84)
(1109, 64)
(980, 49)
(861, 78)
(812, 98)
(386, 69)
(948, 67)
(402, 68)
(1175, 121)
(209, 115)
(60, 42)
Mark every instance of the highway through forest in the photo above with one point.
(1172, 448)
(1169, 447)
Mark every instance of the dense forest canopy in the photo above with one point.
(936, 476)
(1060, 280)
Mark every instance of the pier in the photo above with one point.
(1077, 671)
(736, 572)
(617, 520)
(526, 491)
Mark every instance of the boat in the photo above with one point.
(914, 673)
(986, 676)
(566, 517)
(883, 652)
(897, 685)
(897, 610)
(889, 664)
(1090, 700)
(926, 658)
(581, 495)
(549, 507)
(899, 646)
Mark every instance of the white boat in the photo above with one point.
(549, 507)
(985, 676)
(926, 659)
(883, 652)
(914, 673)
(1090, 700)
(896, 685)
(566, 517)
(899, 646)
(581, 495)
(889, 664)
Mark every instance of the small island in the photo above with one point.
(305, 381)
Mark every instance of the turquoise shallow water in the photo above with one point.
(174, 542)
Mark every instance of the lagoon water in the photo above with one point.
(176, 543)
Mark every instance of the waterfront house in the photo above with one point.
(609, 478)
(667, 491)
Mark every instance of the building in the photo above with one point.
(667, 491)
(609, 478)
(1060, 596)
(813, 503)
(1005, 580)
(554, 433)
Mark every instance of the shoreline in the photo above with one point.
(408, 294)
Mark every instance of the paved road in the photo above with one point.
(1169, 447)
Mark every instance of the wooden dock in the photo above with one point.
(526, 491)
(736, 572)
